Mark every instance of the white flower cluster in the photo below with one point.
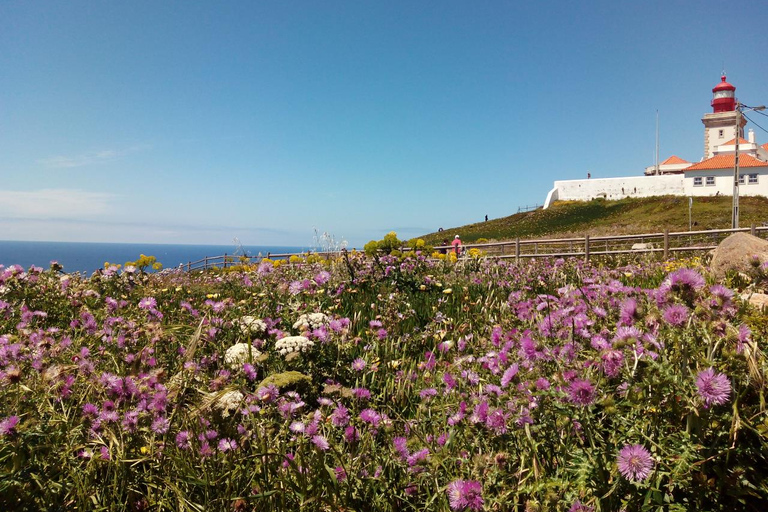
(310, 321)
(240, 353)
(228, 402)
(293, 344)
(252, 325)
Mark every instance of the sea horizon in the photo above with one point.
(90, 256)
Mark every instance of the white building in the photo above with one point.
(713, 175)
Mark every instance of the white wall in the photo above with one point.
(616, 188)
(724, 182)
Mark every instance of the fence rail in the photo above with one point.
(665, 243)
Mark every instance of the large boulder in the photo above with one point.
(736, 253)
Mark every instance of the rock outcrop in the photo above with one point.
(737, 252)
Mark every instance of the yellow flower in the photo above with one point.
(448, 291)
(144, 450)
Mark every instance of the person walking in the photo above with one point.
(456, 245)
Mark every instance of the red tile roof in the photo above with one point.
(674, 160)
(765, 146)
(732, 142)
(726, 162)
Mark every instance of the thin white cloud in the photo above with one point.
(90, 158)
(53, 203)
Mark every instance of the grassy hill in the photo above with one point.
(601, 217)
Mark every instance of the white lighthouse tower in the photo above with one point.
(720, 125)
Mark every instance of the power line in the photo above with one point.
(754, 123)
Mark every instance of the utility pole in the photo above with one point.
(735, 209)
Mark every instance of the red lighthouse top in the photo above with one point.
(723, 97)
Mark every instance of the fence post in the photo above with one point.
(666, 243)
(189, 266)
(205, 264)
(586, 247)
(517, 250)
(753, 229)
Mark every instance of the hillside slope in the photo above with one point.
(601, 217)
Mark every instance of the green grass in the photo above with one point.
(600, 217)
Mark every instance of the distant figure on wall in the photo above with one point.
(445, 243)
(456, 245)
(486, 218)
(589, 175)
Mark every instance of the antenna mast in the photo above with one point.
(657, 142)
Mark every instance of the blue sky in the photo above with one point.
(198, 121)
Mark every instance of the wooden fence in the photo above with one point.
(666, 244)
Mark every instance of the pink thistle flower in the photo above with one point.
(226, 444)
(714, 388)
(8, 425)
(635, 462)
(320, 442)
(358, 364)
(676, 315)
(465, 495)
(182, 440)
(581, 392)
(148, 303)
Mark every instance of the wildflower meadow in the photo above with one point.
(386, 382)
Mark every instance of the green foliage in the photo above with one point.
(601, 217)
(145, 262)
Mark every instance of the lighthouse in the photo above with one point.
(720, 124)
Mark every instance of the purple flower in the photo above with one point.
(182, 440)
(358, 364)
(684, 280)
(322, 277)
(714, 388)
(370, 416)
(465, 495)
(509, 374)
(160, 425)
(351, 435)
(612, 361)
(249, 371)
(401, 446)
(340, 416)
(628, 312)
(417, 457)
(90, 410)
(321, 442)
(361, 393)
(635, 462)
(8, 425)
(226, 444)
(148, 303)
(427, 393)
(578, 506)
(676, 315)
(581, 392)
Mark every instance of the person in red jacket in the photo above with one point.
(456, 245)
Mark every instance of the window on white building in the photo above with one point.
(741, 179)
(753, 179)
(720, 133)
(710, 181)
(697, 181)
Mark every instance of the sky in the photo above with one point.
(268, 121)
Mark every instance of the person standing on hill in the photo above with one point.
(456, 245)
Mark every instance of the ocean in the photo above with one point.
(87, 257)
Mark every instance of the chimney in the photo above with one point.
(751, 136)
